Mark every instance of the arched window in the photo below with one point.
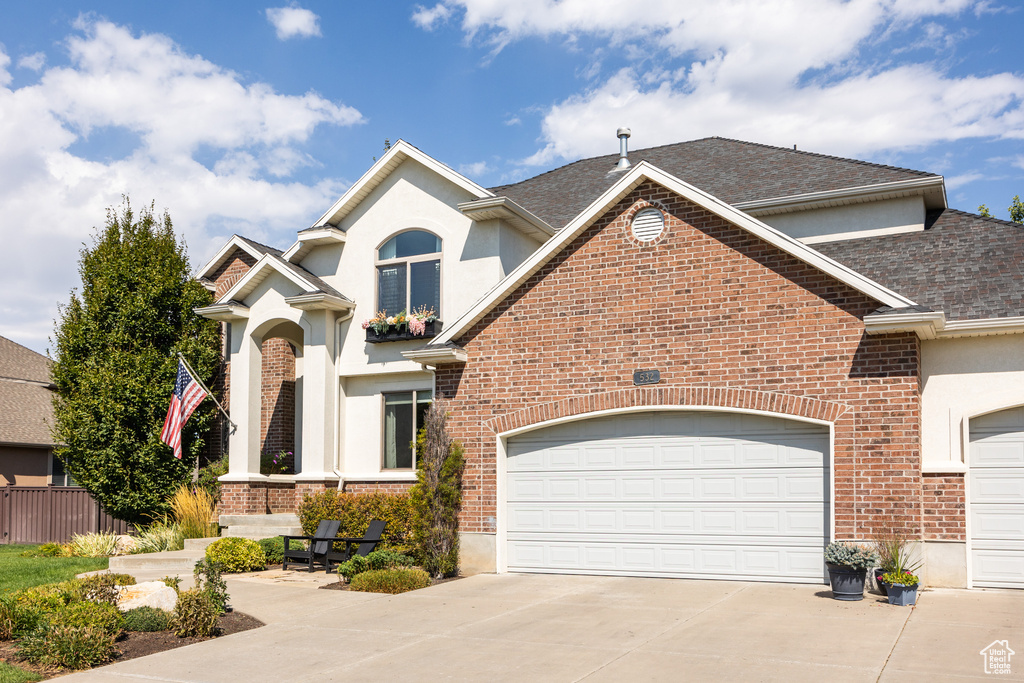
(409, 273)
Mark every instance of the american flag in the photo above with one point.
(188, 394)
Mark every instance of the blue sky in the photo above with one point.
(254, 118)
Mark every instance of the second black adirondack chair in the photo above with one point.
(367, 544)
(318, 547)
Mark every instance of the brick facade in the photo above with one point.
(943, 507)
(277, 400)
(729, 320)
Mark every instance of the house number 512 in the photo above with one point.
(642, 377)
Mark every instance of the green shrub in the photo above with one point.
(159, 537)
(194, 615)
(17, 618)
(237, 555)
(437, 495)
(354, 565)
(48, 550)
(100, 544)
(356, 510)
(101, 588)
(390, 580)
(273, 549)
(208, 579)
(174, 581)
(388, 559)
(209, 476)
(87, 614)
(850, 555)
(147, 619)
(72, 647)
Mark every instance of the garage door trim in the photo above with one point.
(501, 457)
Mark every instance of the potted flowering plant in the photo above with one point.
(894, 554)
(421, 322)
(848, 565)
(902, 588)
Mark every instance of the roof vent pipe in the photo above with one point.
(623, 164)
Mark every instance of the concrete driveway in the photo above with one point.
(518, 627)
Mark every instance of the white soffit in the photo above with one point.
(224, 312)
(933, 325)
(503, 208)
(235, 242)
(313, 238)
(438, 355)
(392, 159)
(641, 172)
(931, 188)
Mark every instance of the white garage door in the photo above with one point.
(680, 494)
(997, 499)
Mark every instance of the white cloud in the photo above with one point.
(958, 181)
(794, 71)
(429, 18)
(176, 105)
(292, 22)
(33, 62)
(474, 170)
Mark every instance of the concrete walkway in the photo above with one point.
(517, 627)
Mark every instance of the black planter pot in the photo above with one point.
(402, 333)
(847, 583)
(883, 587)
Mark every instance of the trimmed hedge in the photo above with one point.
(237, 555)
(390, 580)
(356, 510)
(273, 548)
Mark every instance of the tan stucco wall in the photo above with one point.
(843, 222)
(21, 466)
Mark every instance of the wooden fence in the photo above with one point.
(51, 514)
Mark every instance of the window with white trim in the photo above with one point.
(404, 412)
(409, 273)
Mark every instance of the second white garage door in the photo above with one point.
(679, 494)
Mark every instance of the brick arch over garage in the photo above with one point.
(667, 397)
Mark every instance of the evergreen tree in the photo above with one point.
(437, 494)
(115, 364)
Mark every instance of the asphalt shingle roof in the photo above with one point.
(26, 411)
(968, 266)
(731, 170)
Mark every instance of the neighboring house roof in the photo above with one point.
(967, 266)
(25, 396)
(731, 170)
(625, 184)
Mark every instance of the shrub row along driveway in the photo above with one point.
(570, 628)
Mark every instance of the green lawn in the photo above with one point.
(12, 674)
(23, 572)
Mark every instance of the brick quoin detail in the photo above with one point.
(729, 320)
(944, 507)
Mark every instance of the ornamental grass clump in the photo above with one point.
(159, 537)
(193, 509)
(390, 581)
(850, 555)
(894, 553)
(98, 544)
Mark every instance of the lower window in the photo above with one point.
(403, 418)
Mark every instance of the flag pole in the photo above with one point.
(195, 376)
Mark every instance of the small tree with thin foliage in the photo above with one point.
(437, 494)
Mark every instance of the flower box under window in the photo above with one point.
(402, 333)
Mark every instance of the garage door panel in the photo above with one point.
(996, 486)
(696, 494)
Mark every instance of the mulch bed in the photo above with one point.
(139, 644)
(342, 586)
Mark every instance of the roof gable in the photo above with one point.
(237, 242)
(634, 177)
(399, 153)
(271, 263)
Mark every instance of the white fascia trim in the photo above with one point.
(398, 153)
(319, 301)
(436, 356)
(235, 242)
(863, 193)
(223, 312)
(926, 325)
(982, 327)
(508, 209)
(638, 174)
(267, 261)
(311, 238)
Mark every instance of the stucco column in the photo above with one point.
(319, 396)
(246, 367)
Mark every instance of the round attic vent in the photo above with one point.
(648, 224)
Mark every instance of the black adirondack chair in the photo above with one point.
(367, 544)
(318, 547)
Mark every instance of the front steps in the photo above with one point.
(261, 526)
